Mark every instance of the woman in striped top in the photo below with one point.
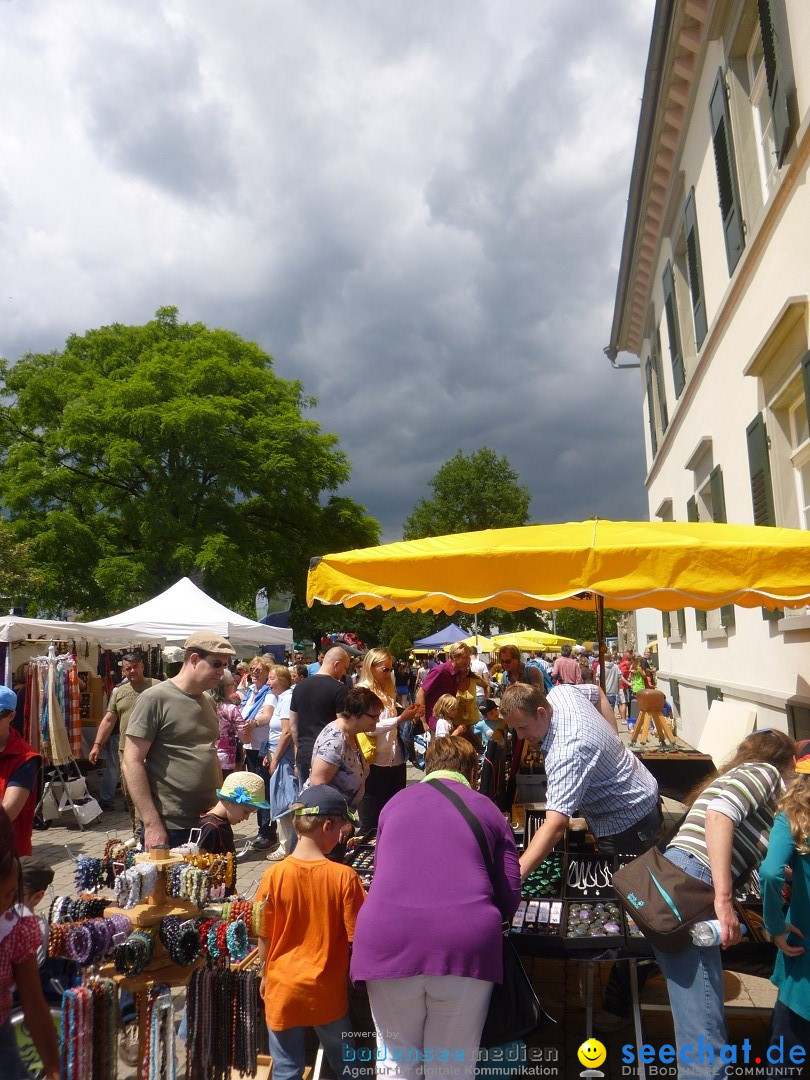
(723, 837)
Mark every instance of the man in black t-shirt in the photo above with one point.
(316, 701)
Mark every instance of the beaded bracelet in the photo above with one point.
(88, 873)
(134, 954)
(236, 937)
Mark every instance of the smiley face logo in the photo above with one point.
(592, 1054)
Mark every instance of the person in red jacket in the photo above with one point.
(19, 772)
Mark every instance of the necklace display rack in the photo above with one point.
(161, 969)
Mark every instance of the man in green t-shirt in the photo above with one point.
(170, 761)
(113, 727)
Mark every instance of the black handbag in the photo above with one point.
(514, 1009)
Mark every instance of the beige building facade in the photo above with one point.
(713, 299)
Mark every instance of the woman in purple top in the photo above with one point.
(428, 938)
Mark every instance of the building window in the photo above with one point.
(800, 457)
(762, 115)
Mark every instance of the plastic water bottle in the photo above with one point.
(708, 932)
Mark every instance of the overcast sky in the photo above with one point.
(416, 206)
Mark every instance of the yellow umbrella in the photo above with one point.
(525, 641)
(626, 564)
(483, 644)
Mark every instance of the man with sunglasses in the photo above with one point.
(170, 761)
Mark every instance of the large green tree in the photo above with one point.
(477, 491)
(473, 492)
(138, 454)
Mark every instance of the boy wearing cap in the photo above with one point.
(310, 908)
(170, 761)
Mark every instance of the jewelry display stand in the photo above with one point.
(161, 969)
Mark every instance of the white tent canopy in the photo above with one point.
(183, 609)
(15, 629)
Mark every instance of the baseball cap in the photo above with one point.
(208, 641)
(325, 801)
(8, 699)
(487, 705)
(245, 789)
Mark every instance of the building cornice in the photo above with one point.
(678, 37)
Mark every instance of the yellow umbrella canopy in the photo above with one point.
(624, 564)
(483, 644)
(527, 641)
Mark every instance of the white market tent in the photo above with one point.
(13, 629)
(182, 610)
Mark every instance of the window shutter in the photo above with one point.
(681, 617)
(713, 693)
(774, 76)
(805, 366)
(730, 206)
(673, 330)
(759, 466)
(675, 694)
(651, 408)
(692, 515)
(719, 514)
(666, 624)
(695, 269)
(655, 356)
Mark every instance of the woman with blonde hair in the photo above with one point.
(387, 773)
(789, 846)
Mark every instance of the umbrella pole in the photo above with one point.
(600, 637)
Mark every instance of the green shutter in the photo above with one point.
(673, 330)
(719, 514)
(655, 357)
(805, 366)
(675, 694)
(666, 624)
(774, 76)
(692, 515)
(680, 614)
(694, 268)
(730, 205)
(651, 408)
(759, 467)
(713, 693)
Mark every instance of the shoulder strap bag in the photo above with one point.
(514, 1009)
(663, 900)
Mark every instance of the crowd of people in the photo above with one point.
(318, 751)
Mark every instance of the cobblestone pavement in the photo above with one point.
(559, 982)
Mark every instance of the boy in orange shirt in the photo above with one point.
(310, 907)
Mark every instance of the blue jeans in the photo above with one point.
(13, 1068)
(695, 984)
(253, 763)
(109, 781)
(287, 1049)
(788, 1029)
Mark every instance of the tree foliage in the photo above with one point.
(480, 491)
(139, 454)
(581, 625)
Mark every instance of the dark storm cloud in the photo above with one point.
(417, 209)
(149, 113)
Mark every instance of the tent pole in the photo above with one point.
(600, 636)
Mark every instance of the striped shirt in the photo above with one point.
(588, 767)
(748, 795)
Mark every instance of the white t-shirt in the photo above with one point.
(444, 727)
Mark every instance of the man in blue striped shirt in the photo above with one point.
(588, 769)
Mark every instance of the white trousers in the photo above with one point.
(428, 1025)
